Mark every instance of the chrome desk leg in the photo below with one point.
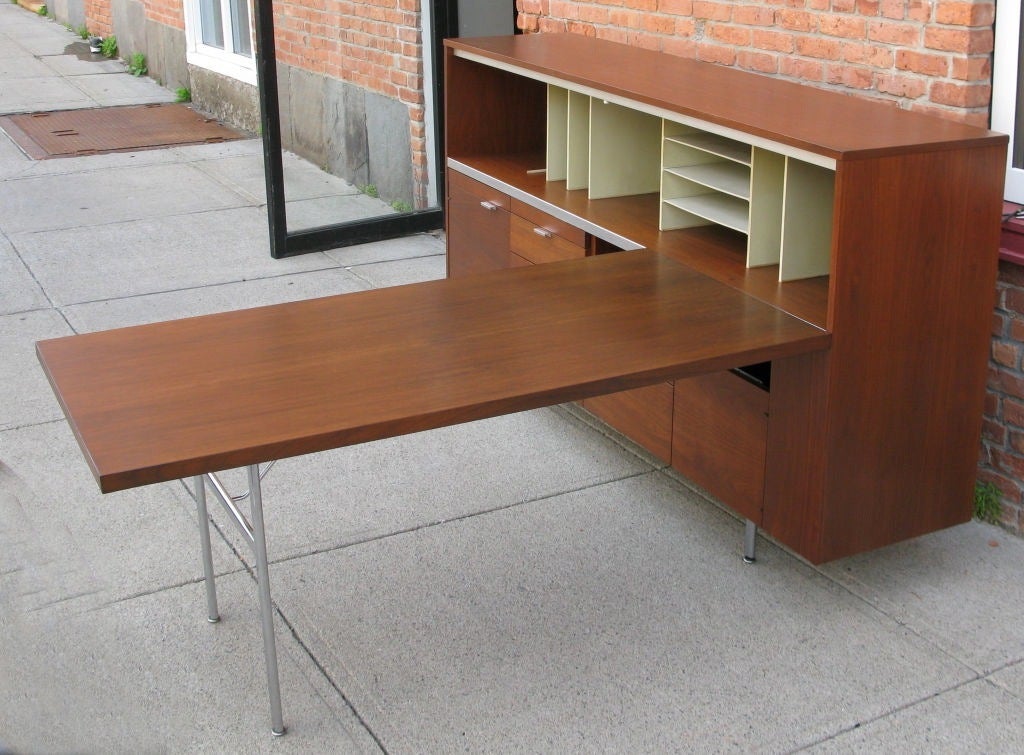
(750, 543)
(212, 614)
(266, 608)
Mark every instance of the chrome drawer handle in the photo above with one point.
(544, 233)
(489, 206)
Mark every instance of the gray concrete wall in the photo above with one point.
(228, 99)
(71, 12)
(358, 135)
(129, 20)
(165, 55)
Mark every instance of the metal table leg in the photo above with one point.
(750, 543)
(255, 534)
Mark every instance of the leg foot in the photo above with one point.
(212, 614)
(750, 543)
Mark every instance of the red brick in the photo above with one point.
(753, 15)
(1007, 462)
(844, 6)
(677, 7)
(716, 53)
(889, 32)
(849, 76)
(797, 20)
(994, 431)
(906, 87)
(773, 40)
(976, 68)
(728, 34)
(960, 95)
(964, 41)
(842, 26)
(713, 11)
(930, 64)
(761, 62)
(814, 47)
(802, 69)
(999, 322)
(965, 13)
(878, 56)
(1006, 354)
(867, 7)
(1008, 383)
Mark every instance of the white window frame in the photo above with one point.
(1004, 87)
(223, 62)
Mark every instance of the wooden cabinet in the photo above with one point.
(878, 225)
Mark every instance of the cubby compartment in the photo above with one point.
(806, 221)
(625, 158)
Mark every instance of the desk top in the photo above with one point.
(158, 402)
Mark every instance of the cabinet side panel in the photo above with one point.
(795, 460)
(913, 286)
(489, 111)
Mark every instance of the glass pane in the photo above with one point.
(240, 27)
(211, 23)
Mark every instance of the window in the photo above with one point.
(1008, 92)
(219, 37)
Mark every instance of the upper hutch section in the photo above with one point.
(733, 173)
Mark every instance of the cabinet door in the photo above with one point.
(719, 438)
(477, 226)
(644, 415)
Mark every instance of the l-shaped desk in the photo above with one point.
(191, 397)
(849, 245)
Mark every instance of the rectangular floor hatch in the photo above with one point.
(67, 133)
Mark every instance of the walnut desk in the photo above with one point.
(190, 397)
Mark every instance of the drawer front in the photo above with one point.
(719, 438)
(461, 184)
(478, 229)
(538, 245)
(644, 415)
(541, 219)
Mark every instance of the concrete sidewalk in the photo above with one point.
(527, 584)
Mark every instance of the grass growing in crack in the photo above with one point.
(137, 64)
(988, 502)
(108, 47)
(183, 94)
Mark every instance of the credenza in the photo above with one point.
(876, 224)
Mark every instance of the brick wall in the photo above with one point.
(1002, 443)
(167, 12)
(925, 55)
(98, 17)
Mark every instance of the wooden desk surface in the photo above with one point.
(175, 399)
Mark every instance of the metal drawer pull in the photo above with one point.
(543, 233)
(489, 206)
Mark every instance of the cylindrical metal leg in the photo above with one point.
(750, 543)
(266, 608)
(212, 614)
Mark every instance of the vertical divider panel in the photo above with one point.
(625, 151)
(557, 133)
(578, 162)
(767, 183)
(806, 220)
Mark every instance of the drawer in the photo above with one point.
(719, 438)
(470, 188)
(541, 219)
(478, 228)
(538, 244)
(644, 415)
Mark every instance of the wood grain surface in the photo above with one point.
(175, 399)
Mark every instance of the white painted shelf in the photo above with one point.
(718, 208)
(729, 177)
(715, 145)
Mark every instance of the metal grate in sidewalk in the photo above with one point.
(67, 133)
